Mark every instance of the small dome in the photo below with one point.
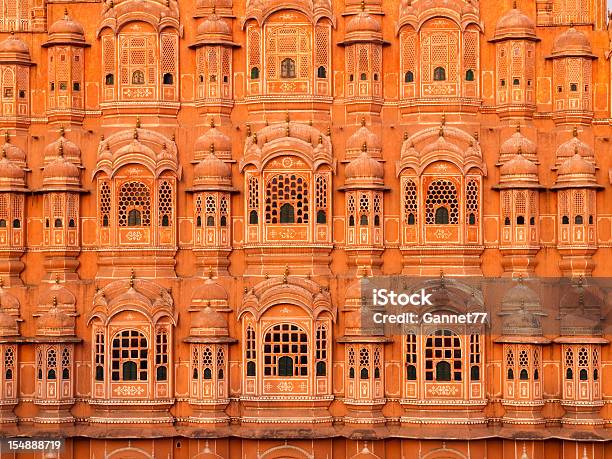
(572, 42)
(519, 170)
(209, 292)
(70, 150)
(57, 294)
(61, 173)
(8, 325)
(66, 26)
(213, 137)
(363, 22)
(363, 135)
(515, 24)
(364, 166)
(353, 291)
(517, 143)
(570, 147)
(576, 172)
(8, 301)
(208, 318)
(13, 152)
(214, 25)
(212, 173)
(11, 175)
(55, 322)
(13, 48)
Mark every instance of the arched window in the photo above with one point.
(321, 369)
(520, 220)
(168, 78)
(134, 204)
(250, 368)
(51, 364)
(161, 355)
(441, 216)
(285, 366)
(134, 218)
(439, 74)
(287, 199)
(523, 375)
(469, 75)
(138, 77)
(363, 77)
(255, 73)
(287, 213)
(352, 220)
(99, 356)
(443, 356)
(253, 217)
(408, 77)
(321, 72)
(2, 223)
(109, 79)
(441, 194)
(285, 345)
(475, 373)
(321, 216)
(510, 374)
(287, 68)
(58, 223)
(411, 373)
(129, 356)
(583, 375)
(363, 220)
(565, 220)
(569, 374)
(71, 223)
(578, 220)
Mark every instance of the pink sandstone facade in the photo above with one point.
(190, 193)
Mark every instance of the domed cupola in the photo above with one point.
(70, 150)
(572, 43)
(363, 26)
(12, 177)
(363, 135)
(576, 172)
(66, 31)
(14, 50)
(213, 31)
(210, 293)
(61, 174)
(515, 25)
(55, 322)
(515, 143)
(570, 147)
(208, 322)
(13, 152)
(364, 172)
(519, 172)
(222, 143)
(211, 173)
(8, 325)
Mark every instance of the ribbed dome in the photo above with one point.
(364, 171)
(363, 135)
(13, 152)
(576, 172)
(61, 173)
(213, 137)
(212, 173)
(14, 46)
(209, 318)
(515, 24)
(55, 322)
(570, 147)
(57, 294)
(519, 171)
(209, 291)
(363, 22)
(214, 25)
(66, 26)
(572, 42)
(71, 151)
(11, 175)
(517, 143)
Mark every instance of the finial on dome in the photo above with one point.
(255, 138)
(443, 122)
(62, 131)
(364, 147)
(405, 135)
(576, 149)
(476, 136)
(441, 132)
(138, 122)
(518, 127)
(520, 150)
(7, 137)
(363, 123)
(514, 4)
(287, 130)
(442, 279)
(60, 150)
(362, 5)
(266, 122)
(212, 148)
(212, 123)
(287, 116)
(173, 137)
(285, 274)
(101, 137)
(132, 277)
(248, 130)
(54, 301)
(135, 134)
(310, 122)
(328, 131)
(1, 282)
(65, 13)
(210, 272)
(575, 131)
(12, 32)
(214, 9)
(320, 139)
(57, 279)
(3, 152)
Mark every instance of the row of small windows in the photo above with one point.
(8, 93)
(63, 86)
(439, 75)
(287, 216)
(287, 70)
(16, 223)
(515, 82)
(573, 88)
(138, 78)
(57, 223)
(363, 220)
(363, 77)
(583, 374)
(578, 220)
